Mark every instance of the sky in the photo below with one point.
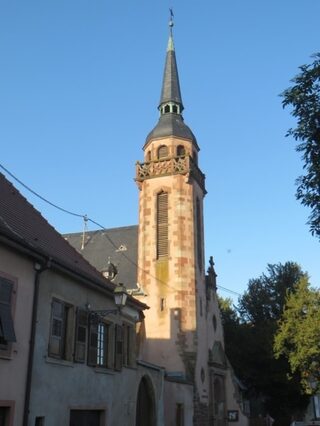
(80, 84)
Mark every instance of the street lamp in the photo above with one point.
(120, 298)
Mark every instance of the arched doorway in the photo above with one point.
(145, 411)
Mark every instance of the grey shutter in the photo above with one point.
(81, 335)
(111, 346)
(133, 346)
(162, 224)
(93, 343)
(118, 347)
(7, 333)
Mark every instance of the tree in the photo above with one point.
(304, 98)
(249, 335)
(298, 336)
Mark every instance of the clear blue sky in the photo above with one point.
(79, 86)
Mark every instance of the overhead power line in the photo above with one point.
(88, 219)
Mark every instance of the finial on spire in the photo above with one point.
(171, 20)
(170, 42)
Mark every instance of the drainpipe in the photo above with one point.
(39, 268)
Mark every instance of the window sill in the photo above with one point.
(6, 356)
(56, 361)
(101, 370)
(130, 367)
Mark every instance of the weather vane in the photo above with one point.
(171, 19)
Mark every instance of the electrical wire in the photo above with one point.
(88, 219)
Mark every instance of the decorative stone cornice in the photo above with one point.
(183, 165)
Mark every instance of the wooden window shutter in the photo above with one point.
(7, 333)
(126, 345)
(132, 343)
(81, 335)
(57, 330)
(93, 344)
(118, 347)
(111, 346)
(162, 224)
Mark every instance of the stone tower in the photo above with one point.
(171, 241)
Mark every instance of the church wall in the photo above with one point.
(168, 282)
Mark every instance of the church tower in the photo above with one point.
(171, 239)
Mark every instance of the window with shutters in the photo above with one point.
(81, 335)
(162, 151)
(199, 233)
(59, 331)
(162, 225)
(100, 346)
(7, 333)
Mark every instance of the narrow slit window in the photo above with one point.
(199, 233)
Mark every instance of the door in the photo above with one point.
(85, 417)
(145, 412)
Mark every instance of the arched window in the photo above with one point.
(175, 109)
(162, 224)
(148, 156)
(167, 108)
(181, 150)
(163, 151)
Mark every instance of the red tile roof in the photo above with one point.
(22, 223)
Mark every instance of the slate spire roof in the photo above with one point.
(171, 121)
(170, 86)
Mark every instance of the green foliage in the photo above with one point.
(249, 336)
(298, 336)
(304, 98)
(265, 298)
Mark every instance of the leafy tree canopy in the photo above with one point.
(304, 98)
(298, 336)
(265, 298)
(249, 332)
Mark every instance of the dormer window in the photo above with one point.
(163, 151)
(170, 108)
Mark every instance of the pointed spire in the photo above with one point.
(170, 101)
(171, 121)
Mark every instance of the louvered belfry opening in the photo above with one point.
(162, 224)
(199, 233)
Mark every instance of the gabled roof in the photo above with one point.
(23, 225)
(117, 245)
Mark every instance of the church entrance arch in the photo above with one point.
(219, 401)
(145, 410)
